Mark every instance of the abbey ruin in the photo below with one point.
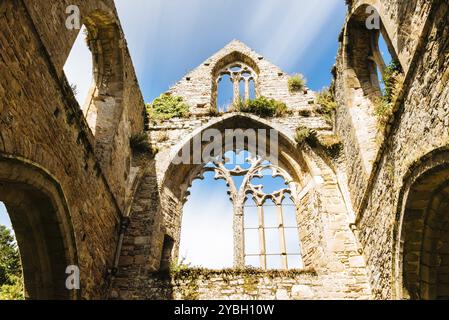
(372, 216)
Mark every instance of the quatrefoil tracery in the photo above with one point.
(256, 170)
(238, 71)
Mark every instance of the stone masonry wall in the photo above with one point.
(421, 126)
(42, 124)
(419, 34)
(232, 284)
(197, 86)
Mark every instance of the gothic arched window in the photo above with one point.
(264, 203)
(236, 81)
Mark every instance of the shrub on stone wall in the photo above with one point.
(326, 104)
(262, 107)
(390, 77)
(167, 107)
(330, 144)
(393, 79)
(140, 144)
(305, 135)
(296, 83)
(383, 110)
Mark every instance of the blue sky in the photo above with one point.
(167, 39)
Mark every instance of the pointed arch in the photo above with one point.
(103, 107)
(178, 178)
(41, 220)
(421, 232)
(362, 53)
(248, 71)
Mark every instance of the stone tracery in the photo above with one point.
(239, 72)
(239, 196)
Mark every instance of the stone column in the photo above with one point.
(247, 93)
(263, 251)
(282, 236)
(236, 85)
(239, 240)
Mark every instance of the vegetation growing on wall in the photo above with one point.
(140, 144)
(326, 104)
(167, 107)
(191, 273)
(305, 135)
(262, 107)
(393, 79)
(331, 144)
(296, 83)
(11, 283)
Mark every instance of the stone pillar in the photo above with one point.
(263, 251)
(247, 93)
(239, 240)
(282, 236)
(236, 85)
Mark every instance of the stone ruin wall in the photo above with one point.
(42, 127)
(329, 246)
(100, 182)
(237, 285)
(197, 86)
(419, 33)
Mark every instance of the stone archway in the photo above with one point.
(43, 228)
(422, 236)
(178, 178)
(103, 108)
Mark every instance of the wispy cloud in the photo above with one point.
(168, 38)
(286, 31)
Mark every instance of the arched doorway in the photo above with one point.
(42, 226)
(423, 247)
